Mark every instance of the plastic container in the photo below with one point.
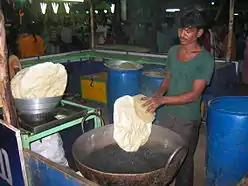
(121, 82)
(227, 141)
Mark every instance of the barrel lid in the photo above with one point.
(121, 65)
(237, 105)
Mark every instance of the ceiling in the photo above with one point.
(240, 5)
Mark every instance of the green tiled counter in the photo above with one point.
(127, 56)
(224, 76)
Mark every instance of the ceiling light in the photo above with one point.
(67, 7)
(55, 7)
(172, 10)
(43, 7)
(112, 8)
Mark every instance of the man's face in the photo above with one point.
(189, 35)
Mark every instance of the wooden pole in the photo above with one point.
(9, 111)
(92, 25)
(230, 33)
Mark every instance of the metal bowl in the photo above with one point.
(37, 110)
(99, 138)
(35, 118)
(37, 105)
(116, 65)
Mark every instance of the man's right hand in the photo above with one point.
(153, 103)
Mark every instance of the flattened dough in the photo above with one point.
(40, 81)
(141, 111)
(132, 125)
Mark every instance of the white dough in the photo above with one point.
(141, 110)
(131, 130)
(40, 81)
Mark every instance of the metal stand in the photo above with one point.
(28, 138)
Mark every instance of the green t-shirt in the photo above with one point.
(183, 74)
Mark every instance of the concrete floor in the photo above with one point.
(200, 159)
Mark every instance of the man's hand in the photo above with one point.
(152, 103)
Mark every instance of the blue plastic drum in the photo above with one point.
(150, 83)
(120, 83)
(227, 141)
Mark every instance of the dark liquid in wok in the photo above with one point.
(112, 159)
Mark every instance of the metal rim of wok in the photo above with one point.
(113, 64)
(177, 156)
(136, 174)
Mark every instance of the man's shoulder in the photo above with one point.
(173, 49)
(207, 56)
(206, 61)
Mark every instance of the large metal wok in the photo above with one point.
(102, 137)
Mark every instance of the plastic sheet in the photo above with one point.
(51, 147)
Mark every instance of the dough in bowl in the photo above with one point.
(40, 81)
(132, 125)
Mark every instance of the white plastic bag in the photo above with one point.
(51, 147)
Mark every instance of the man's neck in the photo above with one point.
(191, 47)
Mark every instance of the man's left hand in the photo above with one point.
(152, 103)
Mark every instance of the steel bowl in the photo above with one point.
(36, 118)
(37, 105)
(37, 110)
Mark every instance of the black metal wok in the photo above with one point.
(102, 137)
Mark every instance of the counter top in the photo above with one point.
(100, 55)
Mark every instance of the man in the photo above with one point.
(30, 43)
(66, 37)
(212, 42)
(190, 69)
(54, 38)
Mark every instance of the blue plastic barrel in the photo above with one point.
(150, 83)
(227, 141)
(121, 83)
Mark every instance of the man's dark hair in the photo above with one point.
(190, 17)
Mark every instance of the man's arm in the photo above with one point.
(164, 86)
(154, 102)
(188, 97)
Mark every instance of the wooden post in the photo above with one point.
(230, 33)
(9, 111)
(92, 25)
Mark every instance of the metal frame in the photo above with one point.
(86, 54)
(28, 138)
